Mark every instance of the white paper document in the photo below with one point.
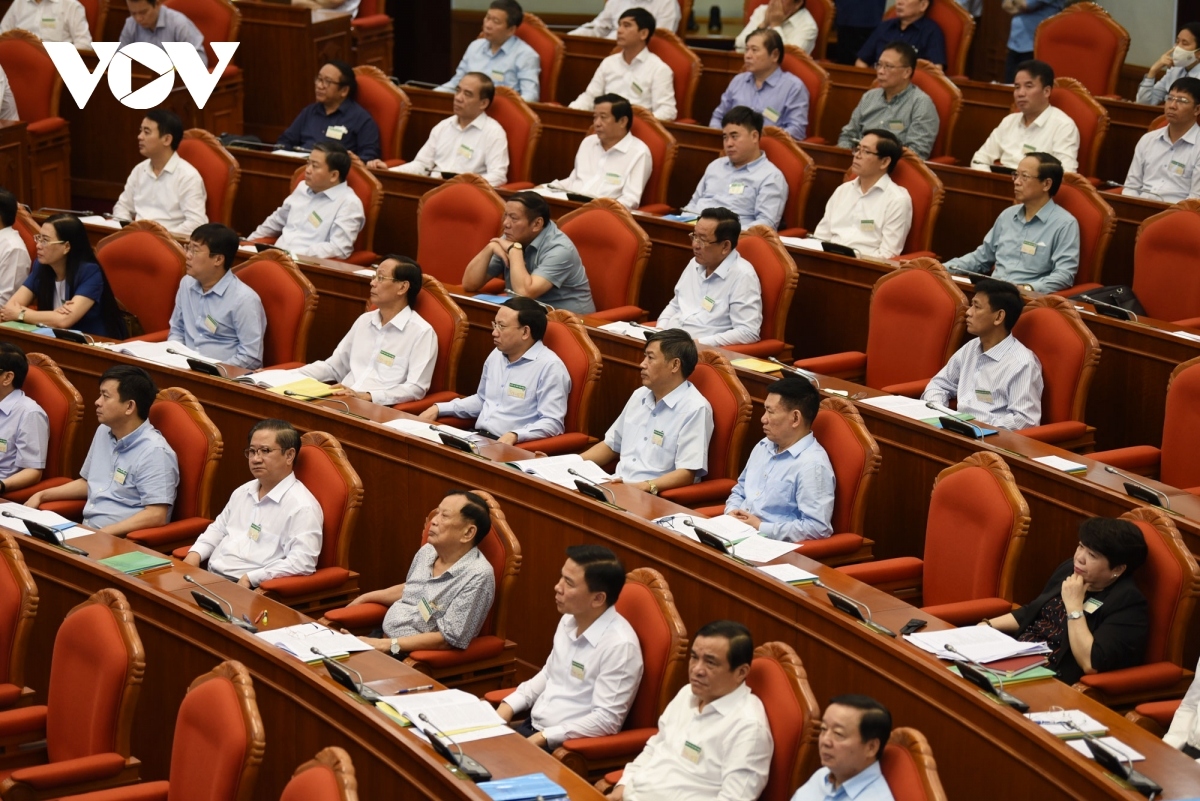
(788, 573)
(1059, 463)
(51, 519)
(804, 244)
(429, 431)
(1067, 723)
(295, 154)
(556, 469)
(452, 711)
(978, 643)
(272, 378)
(680, 524)
(366, 272)
(96, 219)
(911, 408)
(299, 640)
(472, 736)
(760, 549)
(157, 352)
(1185, 335)
(627, 330)
(1111, 742)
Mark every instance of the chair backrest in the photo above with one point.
(685, 66)
(144, 265)
(289, 301)
(328, 777)
(663, 149)
(718, 383)
(614, 250)
(218, 169)
(1069, 353)
(777, 273)
(95, 675)
(370, 193)
(28, 228)
(454, 222)
(918, 316)
(1166, 272)
(63, 405)
(646, 602)
(1091, 118)
(96, 13)
(198, 446)
(777, 677)
(1096, 219)
(927, 194)
(219, 738)
(855, 457)
(522, 126)
(1085, 43)
(387, 104)
(798, 172)
(1170, 580)
(36, 84)
(550, 50)
(946, 97)
(815, 80)
(18, 608)
(449, 322)
(323, 467)
(975, 532)
(218, 21)
(567, 336)
(909, 768)
(1180, 465)
(958, 29)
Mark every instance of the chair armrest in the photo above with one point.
(9, 695)
(1142, 679)
(968, 613)
(571, 442)
(496, 696)
(712, 511)
(704, 493)
(799, 233)
(23, 720)
(814, 140)
(172, 535)
(359, 616)
(1191, 322)
(1075, 290)
(70, 771)
(657, 209)
(22, 495)
(485, 647)
(624, 314)
(46, 126)
(887, 571)
(1140, 459)
(372, 21)
(916, 254)
(1055, 432)
(762, 349)
(362, 258)
(153, 336)
(325, 578)
(418, 406)
(831, 546)
(1161, 712)
(515, 186)
(624, 743)
(150, 791)
(848, 364)
(181, 552)
(909, 389)
(72, 510)
(612, 777)
(943, 160)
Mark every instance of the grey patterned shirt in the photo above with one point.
(910, 115)
(459, 599)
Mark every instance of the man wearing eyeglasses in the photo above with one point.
(271, 526)
(1164, 161)
(911, 26)
(871, 214)
(896, 105)
(335, 117)
(1035, 127)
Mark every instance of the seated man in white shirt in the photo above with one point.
(994, 377)
(1184, 733)
(322, 216)
(8, 104)
(1035, 127)
(611, 162)
(791, 18)
(1164, 161)
(163, 188)
(662, 433)
(872, 213)
(468, 142)
(587, 685)
(390, 352)
(14, 256)
(635, 72)
(666, 16)
(271, 526)
(854, 731)
(50, 21)
(713, 739)
(718, 299)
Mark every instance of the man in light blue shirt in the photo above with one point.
(854, 731)
(786, 490)
(130, 476)
(1034, 244)
(1027, 16)
(744, 181)
(663, 432)
(151, 22)
(779, 96)
(24, 426)
(523, 391)
(1164, 161)
(215, 313)
(501, 54)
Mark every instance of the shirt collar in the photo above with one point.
(508, 44)
(161, 21)
(1043, 118)
(639, 58)
(673, 397)
(478, 122)
(796, 448)
(1043, 213)
(748, 165)
(222, 286)
(463, 561)
(595, 631)
(726, 703)
(398, 322)
(882, 184)
(540, 239)
(1189, 135)
(533, 354)
(899, 95)
(723, 268)
(334, 192)
(854, 786)
(622, 144)
(131, 439)
(172, 162)
(1001, 349)
(279, 490)
(8, 404)
(772, 79)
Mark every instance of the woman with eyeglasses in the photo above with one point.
(66, 287)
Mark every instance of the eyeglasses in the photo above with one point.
(321, 80)
(194, 250)
(499, 326)
(1022, 177)
(42, 239)
(862, 151)
(250, 453)
(879, 65)
(1179, 101)
(701, 242)
(382, 278)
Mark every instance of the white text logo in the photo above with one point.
(165, 61)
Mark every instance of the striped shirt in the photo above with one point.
(1164, 170)
(1001, 387)
(460, 598)
(910, 115)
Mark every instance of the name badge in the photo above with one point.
(771, 114)
(983, 395)
(385, 358)
(657, 438)
(708, 303)
(336, 132)
(120, 475)
(577, 670)
(465, 151)
(498, 76)
(255, 531)
(516, 391)
(426, 609)
(1092, 604)
(1028, 149)
(1176, 168)
(691, 752)
(612, 178)
(896, 126)
(210, 324)
(866, 225)
(737, 188)
(3, 446)
(49, 22)
(314, 219)
(637, 90)
(1029, 248)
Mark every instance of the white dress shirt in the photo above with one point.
(8, 104)
(620, 172)
(279, 535)
(647, 81)
(874, 224)
(722, 753)
(800, 29)
(393, 362)
(321, 224)
(1163, 170)
(587, 685)
(724, 308)
(14, 263)
(666, 15)
(1185, 726)
(50, 21)
(174, 198)
(480, 148)
(1052, 132)
(656, 438)
(1001, 386)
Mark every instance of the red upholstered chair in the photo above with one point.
(524, 128)
(28, 228)
(37, 92)
(63, 405)
(96, 13)
(798, 171)
(1166, 274)
(198, 446)
(387, 104)
(974, 535)
(1091, 118)
(454, 222)
(730, 402)
(927, 194)
(567, 336)
(217, 747)
(822, 12)
(449, 322)
(372, 35)
(290, 302)
(1069, 352)
(18, 608)
(909, 768)
(144, 265)
(684, 64)
(218, 21)
(490, 661)
(1085, 43)
(778, 678)
(550, 50)
(947, 99)
(370, 194)
(1170, 580)
(917, 320)
(95, 675)
(219, 170)
(615, 251)
(815, 80)
(1155, 716)
(327, 777)
(1097, 222)
(778, 277)
(958, 29)
(323, 467)
(663, 149)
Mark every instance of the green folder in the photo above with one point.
(136, 562)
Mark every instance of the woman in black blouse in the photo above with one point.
(1091, 612)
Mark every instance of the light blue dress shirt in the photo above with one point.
(125, 476)
(868, 785)
(656, 438)
(1001, 386)
(1042, 253)
(1163, 170)
(782, 100)
(1024, 25)
(171, 26)
(24, 434)
(226, 322)
(756, 191)
(791, 491)
(321, 224)
(515, 65)
(527, 397)
(721, 309)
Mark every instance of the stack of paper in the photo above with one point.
(1058, 463)
(299, 640)
(1113, 743)
(803, 244)
(757, 365)
(556, 469)
(977, 643)
(1068, 724)
(11, 515)
(628, 330)
(724, 526)
(270, 379)
(295, 154)
(304, 388)
(157, 352)
(789, 574)
(912, 408)
(135, 563)
(759, 549)
(428, 431)
(96, 219)
(455, 712)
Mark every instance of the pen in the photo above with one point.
(262, 617)
(417, 689)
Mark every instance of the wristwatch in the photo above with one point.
(1075, 615)
(21, 316)
(653, 487)
(515, 246)
(395, 649)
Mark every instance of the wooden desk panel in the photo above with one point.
(14, 159)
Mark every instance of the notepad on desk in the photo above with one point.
(300, 639)
(453, 711)
(628, 330)
(557, 469)
(1058, 463)
(789, 574)
(135, 563)
(757, 365)
(1069, 724)
(305, 388)
(1112, 742)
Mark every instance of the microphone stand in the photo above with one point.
(229, 616)
(293, 394)
(472, 769)
(603, 489)
(1130, 480)
(1004, 696)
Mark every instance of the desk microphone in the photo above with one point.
(1121, 313)
(217, 367)
(937, 407)
(341, 674)
(75, 212)
(1140, 189)
(854, 608)
(1117, 763)
(46, 534)
(612, 499)
(206, 604)
(978, 675)
(473, 770)
(1143, 492)
(791, 368)
(293, 394)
